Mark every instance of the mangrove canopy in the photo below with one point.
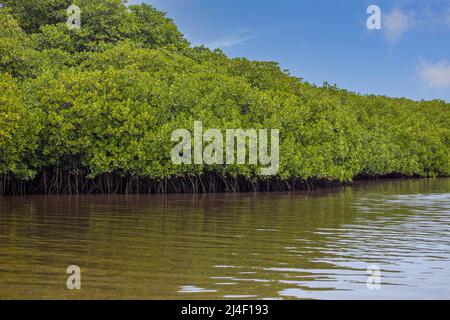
(92, 110)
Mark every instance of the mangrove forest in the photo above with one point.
(92, 110)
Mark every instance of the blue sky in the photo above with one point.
(324, 40)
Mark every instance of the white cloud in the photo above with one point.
(435, 75)
(396, 23)
(230, 40)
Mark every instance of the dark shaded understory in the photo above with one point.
(63, 182)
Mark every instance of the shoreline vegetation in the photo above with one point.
(66, 183)
(92, 110)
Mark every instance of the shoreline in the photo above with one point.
(210, 183)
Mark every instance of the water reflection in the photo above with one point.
(307, 245)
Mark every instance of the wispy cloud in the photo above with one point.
(428, 18)
(397, 23)
(230, 40)
(434, 75)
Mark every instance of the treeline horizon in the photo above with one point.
(92, 110)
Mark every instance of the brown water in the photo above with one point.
(315, 244)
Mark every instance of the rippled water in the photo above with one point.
(315, 244)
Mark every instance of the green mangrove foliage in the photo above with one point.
(93, 109)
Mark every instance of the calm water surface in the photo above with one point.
(315, 244)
